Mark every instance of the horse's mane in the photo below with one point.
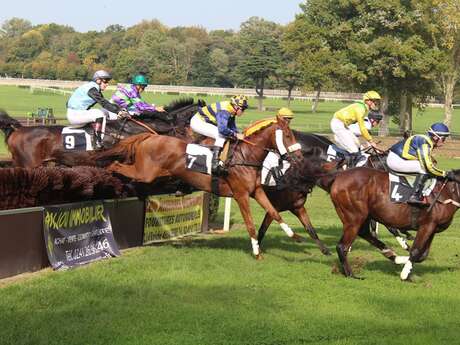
(20, 187)
(259, 125)
(179, 103)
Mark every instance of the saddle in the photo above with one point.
(78, 138)
(402, 186)
(198, 157)
(335, 153)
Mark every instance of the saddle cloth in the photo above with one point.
(334, 153)
(272, 168)
(198, 158)
(76, 139)
(402, 187)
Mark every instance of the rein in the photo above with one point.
(450, 201)
(142, 125)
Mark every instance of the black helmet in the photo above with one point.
(375, 115)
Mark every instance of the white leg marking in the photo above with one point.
(401, 260)
(406, 270)
(402, 242)
(255, 246)
(287, 229)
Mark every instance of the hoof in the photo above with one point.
(259, 257)
(326, 251)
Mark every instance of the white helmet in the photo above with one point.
(101, 74)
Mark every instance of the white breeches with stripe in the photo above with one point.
(402, 165)
(344, 138)
(208, 129)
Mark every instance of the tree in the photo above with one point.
(443, 23)
(378, 45)
(261, 52)
(15, 27)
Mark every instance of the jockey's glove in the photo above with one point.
(123, 113)
(239, 136)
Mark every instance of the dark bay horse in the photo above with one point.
(157, 155)
(361, 194)
(300, 180)
(32, 146)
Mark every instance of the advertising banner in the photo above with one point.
(78, 233)
(169, 216)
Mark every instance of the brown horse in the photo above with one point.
(361, 194)
(157, 155)
(32, 146)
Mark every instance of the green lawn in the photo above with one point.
(209, 290)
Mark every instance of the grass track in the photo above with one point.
(209, 290)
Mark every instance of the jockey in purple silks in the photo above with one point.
(129, 97)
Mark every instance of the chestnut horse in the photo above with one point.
(32, 146)
(158, 155)
(361, 194)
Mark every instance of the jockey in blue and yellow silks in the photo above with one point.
(218, 121)
(413, 155)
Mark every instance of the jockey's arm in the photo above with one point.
(222, 118)
(424, 157)
(363, 129)
(99, 98)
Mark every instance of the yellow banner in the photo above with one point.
(169, 216)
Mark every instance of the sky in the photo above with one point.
(85, 15)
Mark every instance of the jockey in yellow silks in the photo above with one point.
(355, 114)
(218, 121)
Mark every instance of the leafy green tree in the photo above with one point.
(261, 52)
(443, 24)
(15, 27)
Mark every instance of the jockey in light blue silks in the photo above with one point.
(413, 155)
(80, 103)
(218, 121)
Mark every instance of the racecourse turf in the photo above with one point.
(209, 290)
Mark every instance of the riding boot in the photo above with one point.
(98, 133)
(216, 164)
(416, 198)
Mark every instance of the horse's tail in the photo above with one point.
(7, 124)
(124, 151)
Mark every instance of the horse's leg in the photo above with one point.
(139, 171)
(263, 201)
(401, 240)
(264, 227)
(421, 244)
(366, 233)
(243, 203)
(302, 214)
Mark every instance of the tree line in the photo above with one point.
(407, 50)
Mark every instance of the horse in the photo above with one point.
(152, 156)
(299, 181)
(33, 146)
(362, 194)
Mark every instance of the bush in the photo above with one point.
(172, 93)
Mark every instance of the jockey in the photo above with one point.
(355, 113)
(413, 155)
(80, 103)
(129, 97)
(218, 121)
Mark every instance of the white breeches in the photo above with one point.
(208, 129)
(343, 137)
(399, 164)
(81, 117)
